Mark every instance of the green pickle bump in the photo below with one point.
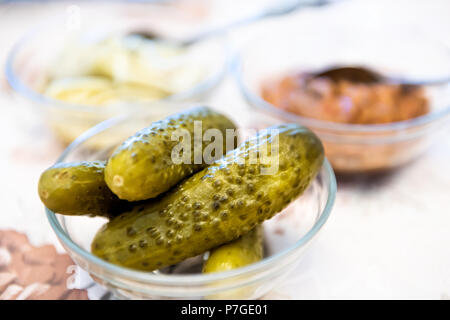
(245, 250)
(142, 167)
(216, 205)
(79, 188)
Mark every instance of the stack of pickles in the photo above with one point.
(162, 211)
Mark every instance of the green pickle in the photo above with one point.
(216, 205)
(243, 251)
(79, 188)
(142, 167)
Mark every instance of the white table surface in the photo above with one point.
(386, 238)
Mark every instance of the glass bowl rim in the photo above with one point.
(258, 102)
(24, 90)
(197, 279)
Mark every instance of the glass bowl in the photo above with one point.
(285, 47)
(287, 236)
(33, 58)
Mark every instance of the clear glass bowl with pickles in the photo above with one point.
(148, 220)
(110, 63)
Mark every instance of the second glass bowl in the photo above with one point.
(286, 47)
(32, 58)
(287, 235)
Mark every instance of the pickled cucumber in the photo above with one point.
(245, 250)
(142, 167)
(216, 205)
(79, 188)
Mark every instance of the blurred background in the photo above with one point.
(387, 236)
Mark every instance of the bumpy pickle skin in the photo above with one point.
(214, 206)
(142, 167)
(79, 188)
(245, 250)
